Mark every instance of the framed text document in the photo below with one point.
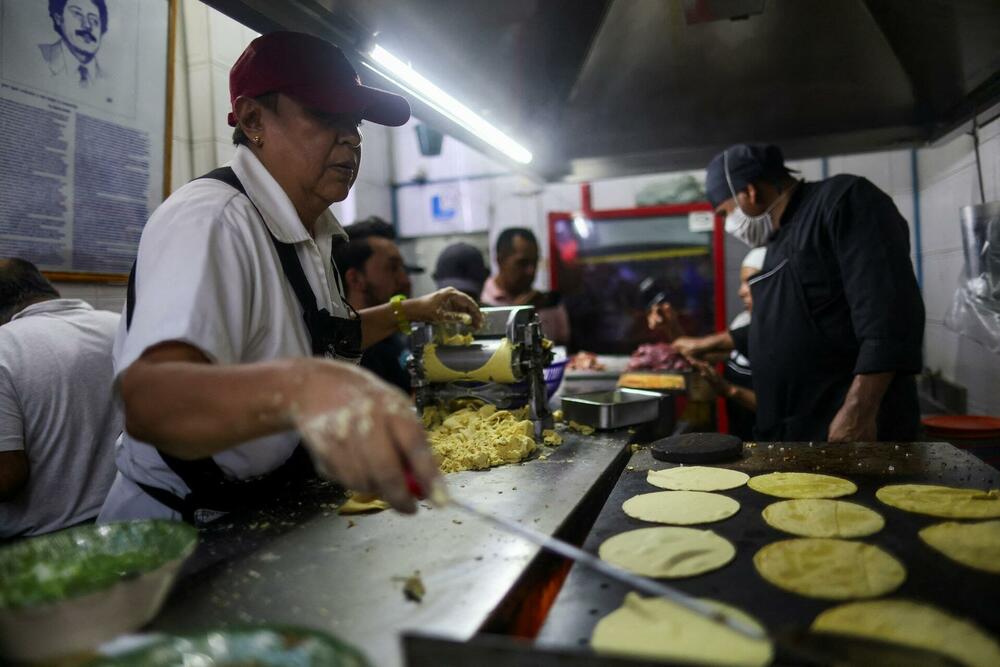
(84, 123)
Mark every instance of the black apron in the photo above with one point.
(212, 493)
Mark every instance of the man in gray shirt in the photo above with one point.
(58, 418)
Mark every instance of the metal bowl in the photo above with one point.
(67, 592)
(262, 646)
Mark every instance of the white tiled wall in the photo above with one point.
(948, 181)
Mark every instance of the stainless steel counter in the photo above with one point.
(307, 566)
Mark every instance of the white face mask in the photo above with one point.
(753, 230)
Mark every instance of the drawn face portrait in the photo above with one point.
(80, 26)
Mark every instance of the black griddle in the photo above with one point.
(585, 597)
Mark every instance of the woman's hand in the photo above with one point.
(444, 305)
(362, 432)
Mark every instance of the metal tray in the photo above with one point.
(612, 409)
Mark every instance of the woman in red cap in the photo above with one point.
(238, 342)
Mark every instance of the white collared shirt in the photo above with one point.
(207, 274)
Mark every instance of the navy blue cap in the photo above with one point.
(747, 163)
(461, 266)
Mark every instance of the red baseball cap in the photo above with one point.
(314, 72)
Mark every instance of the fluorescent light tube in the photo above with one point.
(404, 76)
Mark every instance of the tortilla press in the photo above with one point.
(697, 448)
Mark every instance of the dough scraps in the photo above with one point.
(668, 552)
(975, 545)
(812, 517)
(477, 438)
(913, 624)
(944, 501)
(829, 569)
(360, 503)
(660, 629)
(801, 485)
(585, 429)
(682, 508)
(551, 438)
(697, 478)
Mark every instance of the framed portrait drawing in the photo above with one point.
(85, 125)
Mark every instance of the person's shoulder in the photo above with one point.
(844, 187)
(201, 203)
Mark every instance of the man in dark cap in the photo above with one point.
(838, 319)
(461, 266)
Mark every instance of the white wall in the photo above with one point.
(948, 181)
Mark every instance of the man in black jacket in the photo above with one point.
(837, 332)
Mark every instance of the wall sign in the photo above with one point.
(84, 120)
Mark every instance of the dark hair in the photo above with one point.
(21, 284)
(56, 8)
(270, 102)
(354, 253)
(505, 242)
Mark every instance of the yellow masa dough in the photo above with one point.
(681, 508)
(801, 485)
(360, 503)
(829, 569)
(667, 552)
(814, 517)
(913, 624)
(975, 545)
(497, 369)
(697, 478)
(660, 629)
(478, 438)
(944, 501)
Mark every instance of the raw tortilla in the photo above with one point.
(697, 478)
(943, 501)
(913, 624)
(829, 569)
(975, 545)
(801, 485)
(811, 517)
(668, 552)
(659, 629)
(682, 508)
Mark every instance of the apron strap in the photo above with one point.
(211, 490)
